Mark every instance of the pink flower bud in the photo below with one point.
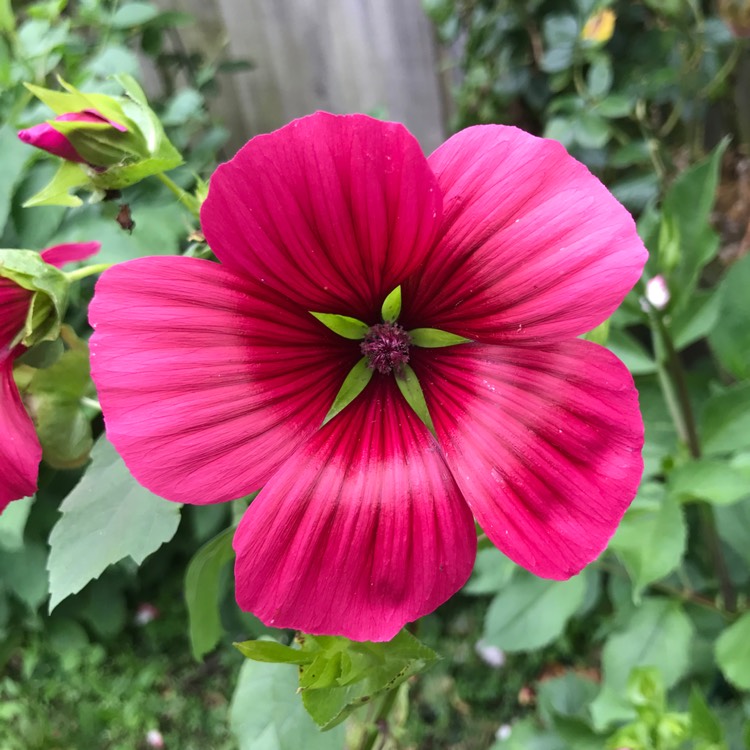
(145, 614)
(657, 292)
(154, 738)
(45, 137)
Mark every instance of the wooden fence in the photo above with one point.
(375, 56)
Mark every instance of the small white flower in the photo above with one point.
(154, 738)
(503, 732)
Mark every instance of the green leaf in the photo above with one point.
(57, 192)
(631, 352)
(730, 339)
(13, 522)
(23, 573)
(108, 516)
(712, 480)
(688, 205)
(411, 390)
(704, 724)
(7, 24)
(50, 299)
(273, 652)
(266, 712)
(733, 524)
(696, 320)
(492, 571)
(651, 538)
(346, 674)
(733, 652)
(599, 77)
(16, 155)
(354, 383)
(392, 306)
(658, 634)
(202, 589)
(725, 427)
(133, 14)
(349, 328)
(433, 338)
(591, 130)
(531, 612)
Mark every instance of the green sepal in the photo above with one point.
(354, 383)
(57, 192)
(411, 390)
(433, 338)
(392, 306)
(49, 301)
(271, 651)
(349, 328)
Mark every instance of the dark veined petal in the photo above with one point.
(20, 452)
(545, 445)
(207, 383)
(362, 531)
(533, 247)
(331, 211)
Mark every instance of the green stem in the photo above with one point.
(82, 273)
(381, 718)
(676, 394)
(187, 200)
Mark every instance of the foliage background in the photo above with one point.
(648, 649)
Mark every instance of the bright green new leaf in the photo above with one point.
(107, 517)
(349, 328)
(57, 192)
(704, 724)
(733, 652)
(530, 612)
(392, 306)
(202, 590)
(346, 674)
(411, 390)
(657, 634)
(433, 338)
(651, 538)
(267, 714)
(273, 652)
(354, 383)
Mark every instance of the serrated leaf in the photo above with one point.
(266, 712)
(651, 540)
(346, 674)
(108, 516)
(733, 652)
(343, 325)
(432, 338)
(202, 589)
(530, 612)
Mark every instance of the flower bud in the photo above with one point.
(657, 292)
(46, 137)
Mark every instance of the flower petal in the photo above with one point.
(361, 532)
(533, 247)
(207, 384)
(20, 452)
(14, 306)
(69, 252)
(331, 211)
(44, 136)
(544, 443)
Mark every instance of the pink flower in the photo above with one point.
(215, 379)
(20, 452)
(45, 137)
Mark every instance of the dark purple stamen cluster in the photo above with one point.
(386, 346)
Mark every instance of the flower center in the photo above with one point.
(386, 346)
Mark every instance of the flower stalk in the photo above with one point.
(82, 273)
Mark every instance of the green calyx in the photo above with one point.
(50, 294)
